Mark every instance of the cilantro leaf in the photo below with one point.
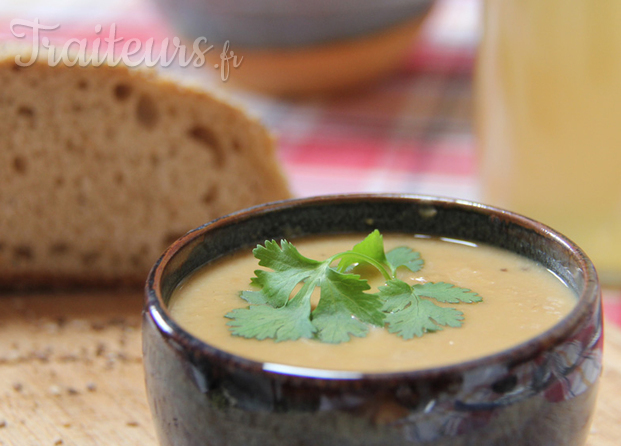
(345, 308)
(264, 321)
(253, 297)
(372, 246)
(395, 295)
(404, 256)
(421, 317)
(409, 315)
(338, 327)
(447, 292)
(290, 268)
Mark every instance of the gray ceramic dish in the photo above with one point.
(286, 23)
(539, 393)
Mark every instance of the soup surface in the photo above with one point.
(521, 299)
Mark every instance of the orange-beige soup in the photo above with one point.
(521, 300)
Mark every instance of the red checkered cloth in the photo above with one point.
(411, 133)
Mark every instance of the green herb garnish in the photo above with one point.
(345, 307)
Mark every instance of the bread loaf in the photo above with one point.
(102, 167)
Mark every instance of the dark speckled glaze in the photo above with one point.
(539, 393)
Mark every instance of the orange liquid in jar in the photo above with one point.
(549, 118)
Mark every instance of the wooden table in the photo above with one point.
(71, 373)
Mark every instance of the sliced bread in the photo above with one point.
(102, 167)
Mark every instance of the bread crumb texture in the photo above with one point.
(102, 168)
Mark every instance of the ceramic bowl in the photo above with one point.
(286, 23)
(300, 48)
(541, 392)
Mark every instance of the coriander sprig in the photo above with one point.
(345, 307)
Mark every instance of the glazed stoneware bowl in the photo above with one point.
(541, 392)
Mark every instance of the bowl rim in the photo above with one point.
(156, 311)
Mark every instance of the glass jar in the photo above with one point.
(549, 118)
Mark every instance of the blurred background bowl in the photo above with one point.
(286, 23)
(295, 47)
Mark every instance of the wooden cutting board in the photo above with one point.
(71, 373)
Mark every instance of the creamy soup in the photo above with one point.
(521, 299)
